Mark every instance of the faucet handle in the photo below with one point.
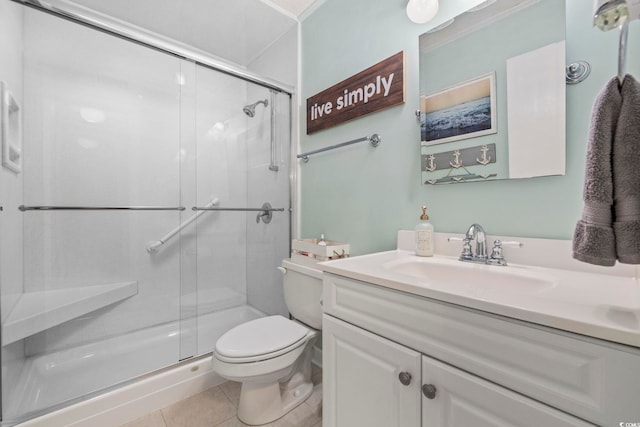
(497, 258)
(509, 243)
(466, 247)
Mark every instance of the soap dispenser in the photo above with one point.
(424, 235)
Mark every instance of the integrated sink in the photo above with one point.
(553, 290)
(438, 271)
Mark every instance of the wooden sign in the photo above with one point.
(376, 88)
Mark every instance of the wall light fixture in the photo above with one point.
(422, 11)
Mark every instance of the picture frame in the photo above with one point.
(465, 110)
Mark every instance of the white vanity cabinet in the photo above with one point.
(361, 374)
(382, 346)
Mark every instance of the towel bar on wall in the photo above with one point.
(373, 139)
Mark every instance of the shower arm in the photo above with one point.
(154, 247)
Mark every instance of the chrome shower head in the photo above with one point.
(250, 110)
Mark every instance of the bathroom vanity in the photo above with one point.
(405, 347)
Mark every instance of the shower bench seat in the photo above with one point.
(37, 311)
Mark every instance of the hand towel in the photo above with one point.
(593, 239)
(626, 174)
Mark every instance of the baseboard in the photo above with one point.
(148, 394)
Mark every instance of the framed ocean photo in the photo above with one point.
(465, 110)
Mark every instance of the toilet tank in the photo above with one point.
(303, 292)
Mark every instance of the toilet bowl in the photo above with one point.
(271, 356)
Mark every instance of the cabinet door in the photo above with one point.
(367, 380)
(457, 398)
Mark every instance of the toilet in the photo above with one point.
(271, 356)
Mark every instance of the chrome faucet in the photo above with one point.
(476, 232)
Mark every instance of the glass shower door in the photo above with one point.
(118, 275)
(101, 170)
(243, 144)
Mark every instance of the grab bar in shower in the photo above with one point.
(24, 208)
(153, 247)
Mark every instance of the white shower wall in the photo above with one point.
(11, 185)
(203, 146)
(94, 115)
(265, 248)
(264, 290)
(221, 170)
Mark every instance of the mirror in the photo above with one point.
(492, 93)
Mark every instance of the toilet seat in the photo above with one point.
(260, 339)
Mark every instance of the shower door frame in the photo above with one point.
(152, 42)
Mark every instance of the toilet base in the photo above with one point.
(274, 386)
(264, 403)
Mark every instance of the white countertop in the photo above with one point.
(597, 305)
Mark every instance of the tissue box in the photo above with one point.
(309, 248)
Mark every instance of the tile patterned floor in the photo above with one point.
(217, 407)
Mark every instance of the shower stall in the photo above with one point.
(145, 213)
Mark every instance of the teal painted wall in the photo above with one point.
(363, 195)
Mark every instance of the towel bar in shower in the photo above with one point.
(204, 208)
(24, 208)
(153, 247)
(265, 215)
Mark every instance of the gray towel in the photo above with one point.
(626, 174)
(593, 239)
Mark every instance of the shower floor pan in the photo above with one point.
(54, 380)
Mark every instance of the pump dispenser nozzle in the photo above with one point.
(424, 216)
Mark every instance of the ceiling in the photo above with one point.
(294, 7)
(237, 31)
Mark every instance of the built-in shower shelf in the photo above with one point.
(37, 311)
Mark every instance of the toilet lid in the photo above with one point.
(260, 336)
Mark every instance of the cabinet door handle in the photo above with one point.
(429, 391)
(405, 378)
